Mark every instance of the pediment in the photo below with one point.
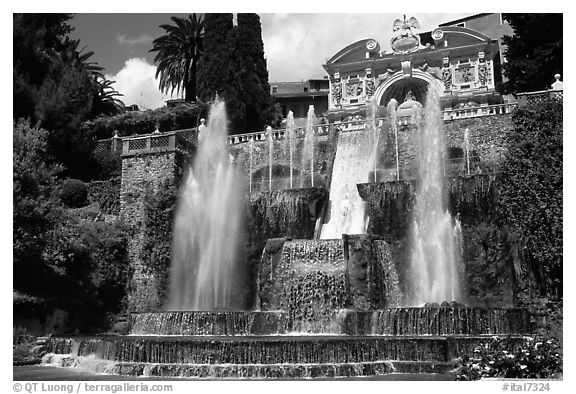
(355, 52)
(457, 37)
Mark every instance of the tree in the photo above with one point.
(218, 74)
(530, 193)
(104, 100)
(34, 183)
(57, 86)
(254, 74)
(64, 102)
(177, 55)
(36, 41)
(534, 52)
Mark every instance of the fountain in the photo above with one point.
(289, 140)
(373, 126)
(327, 308)
(391, 107)
(207, 227)
(270, 138)
(467, 148)
(436, 238)
(308, 153)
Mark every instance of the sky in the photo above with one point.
(296, 45)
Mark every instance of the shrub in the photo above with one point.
(74, 193)
(183, 116)
(36, 207)
(537, 358)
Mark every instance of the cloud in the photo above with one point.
(123, 39)
(297, 45)
(137, 82)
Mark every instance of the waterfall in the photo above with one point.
(436, 237)
(207, 226)
(347, 212)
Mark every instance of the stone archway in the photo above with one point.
(397, 86)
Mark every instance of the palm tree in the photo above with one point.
(177, 55)
(71, 55)
(104, 97)
(105, 100)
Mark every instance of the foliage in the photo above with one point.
(108, 164)
(145, 122)
(178, 52)
(92, 254)
(253, 72)
(74, 193)
(57, 254)
(534, 52)
(35, 202)
(159, 208)
(530, 193)
(57, 85)
(106, 194)
(537, 358)
(218, 70)
(489, 262)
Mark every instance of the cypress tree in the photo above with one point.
(218, 67)
(254, 73)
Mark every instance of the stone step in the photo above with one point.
(267, 350)
(392, 321)
(254, 371)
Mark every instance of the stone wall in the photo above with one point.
(142, 174)
(253, 160)
(487, 143)
(290, 213)
(484, 132)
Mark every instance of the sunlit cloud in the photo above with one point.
(297, 45)
(137, 82)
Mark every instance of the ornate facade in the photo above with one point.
(458, 61)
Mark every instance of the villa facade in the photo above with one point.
(464, 65)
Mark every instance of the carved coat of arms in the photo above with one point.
(404, 38)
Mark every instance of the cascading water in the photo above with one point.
(436, 238)
(347, 212)
(207, 226)
(308, 154)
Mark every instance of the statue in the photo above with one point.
(447, 76)
(369, 88)
(482, 73)
(410, 107)
(337, 92)
(409, 96)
